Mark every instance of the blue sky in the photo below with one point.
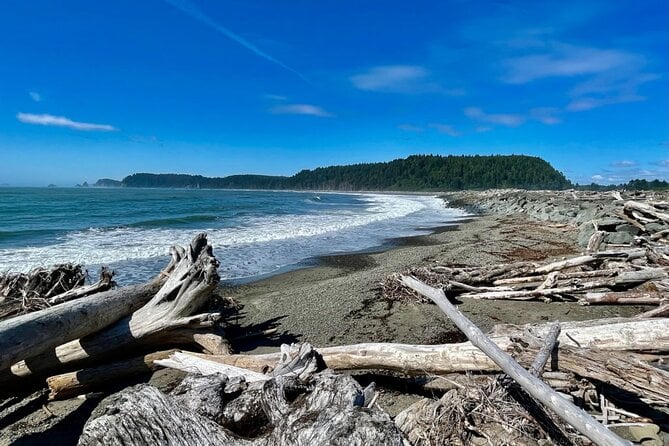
(105, 89)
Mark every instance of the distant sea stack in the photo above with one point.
(106, 182)
(415, 173)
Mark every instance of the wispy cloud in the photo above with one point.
(565, 61)
(406, 79)
(192, 10)
(276, 97)
(411, 128)
(301, 109)
(35, 96)
(624, 163)
(446, 129)
(61, 121)
(545, 115)
(505, 119)
(482, 129)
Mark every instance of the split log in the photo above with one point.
(70, 384)
(167, 316)
(577, 418)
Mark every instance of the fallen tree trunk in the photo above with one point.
(641, 335)
(577, 418)
(71, 384)
(32, 334)
(166, 317)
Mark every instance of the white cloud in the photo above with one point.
(446, 129)
(482, 129)
(506, 119)
(301, 109)
(61, 121)
(35, 96)
(597, 178)
(406, 79)
(410, 128)
(566, 61)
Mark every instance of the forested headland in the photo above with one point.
(415, 173)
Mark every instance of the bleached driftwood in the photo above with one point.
(624, 298)
(105, 282)
(323, 408)
(166, 317)
(32, 334)
(69, 384)
(576, 417)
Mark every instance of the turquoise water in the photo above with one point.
(253, 232)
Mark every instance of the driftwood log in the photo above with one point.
(542, 392)
(166, 316)
(71, 384)
(288, 409)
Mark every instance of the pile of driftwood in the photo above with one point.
(631, 275)
(551, 372)
(44, 287)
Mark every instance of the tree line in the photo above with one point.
(415, 173)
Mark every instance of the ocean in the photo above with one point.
(254, 233)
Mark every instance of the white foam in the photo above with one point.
(261, 245)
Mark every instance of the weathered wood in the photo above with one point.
(104, 283)
(69, 384)
(624, 298)
(142, 415)
(595, 241)
(32, 334)
(576, 417)
(618, 369)
(330, 409)
(546, 350)
(624, 278)
(646, 209)
(661, 311)
(168, 312)
(650, 335)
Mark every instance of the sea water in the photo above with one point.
(254, 233)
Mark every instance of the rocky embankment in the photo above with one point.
(589, 211)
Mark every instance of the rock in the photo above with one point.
(619, 238)
(630, 229)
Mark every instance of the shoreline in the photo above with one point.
(335, 302)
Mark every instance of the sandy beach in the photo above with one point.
(336, 302)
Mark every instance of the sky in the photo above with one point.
(94, 90)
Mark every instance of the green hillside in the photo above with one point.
(415, 173)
